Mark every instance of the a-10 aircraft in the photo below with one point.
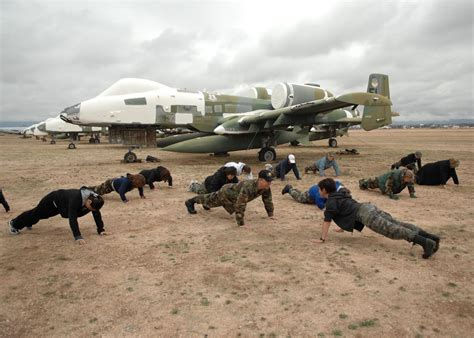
(223, 123)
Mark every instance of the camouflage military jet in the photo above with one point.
(224, 123)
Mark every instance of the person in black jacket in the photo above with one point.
(284, 167)
(438, 173)
(409, 161)
(222, 176)
(214, 182)
(348, 214)
(71, 204)
(4, 202)
(157, 175)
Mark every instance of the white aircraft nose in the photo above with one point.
(220, 130)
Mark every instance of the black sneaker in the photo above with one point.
(12, 229)
(190, 206)
(286, 189)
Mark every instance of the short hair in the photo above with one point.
(453, 163)
(230, 171)
(138, 181)
(408, 173)
(246, 169)
(327, 184)
(96, 201)
(331, 154)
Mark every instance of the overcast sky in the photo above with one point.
(57, 53)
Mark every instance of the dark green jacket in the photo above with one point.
(392, 183)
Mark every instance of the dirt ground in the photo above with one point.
(163, 272)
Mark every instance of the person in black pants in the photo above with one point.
(4, 201)
(71, 204)
(438, 173)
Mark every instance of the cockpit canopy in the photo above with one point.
(131, 85)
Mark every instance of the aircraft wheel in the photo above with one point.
(71, 146)
(52, 142)
(267, 154)
(130, 157)
(96, 141)
(332, 142)
(91, 140)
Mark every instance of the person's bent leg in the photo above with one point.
(301, 197)
(197, 188)
(207, 200)
(373, 183)
(104, 188)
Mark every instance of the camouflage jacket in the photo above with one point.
(392, 183)
(235, 196)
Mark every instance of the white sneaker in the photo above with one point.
(11, 229)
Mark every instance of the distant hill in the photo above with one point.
(436, 122)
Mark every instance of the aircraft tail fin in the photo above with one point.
(375, 117)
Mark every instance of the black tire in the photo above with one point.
(96, 141)
(71, 146)
(267, 154)
(332, 143)
(52, 142)
(294, 143)
(130, 157)
(91, 140)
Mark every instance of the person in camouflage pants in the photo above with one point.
(104, 188)
(391, 183)
(235, 196)
(349, 214)
(121, 185)
(311, 196)
(383, 223)
(197, 188)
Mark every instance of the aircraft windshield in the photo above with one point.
(128, 86)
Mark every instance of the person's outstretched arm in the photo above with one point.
(454, 176)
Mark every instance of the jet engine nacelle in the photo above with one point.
(287, 94)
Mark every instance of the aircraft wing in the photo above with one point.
(300, 114)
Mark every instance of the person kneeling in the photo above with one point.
(309, 197)
(391, 183)
(348, 214)
(71, 204)
(122, 185)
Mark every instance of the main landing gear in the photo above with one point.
(267, 154)
(332, 142)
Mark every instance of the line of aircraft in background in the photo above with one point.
(131, 111)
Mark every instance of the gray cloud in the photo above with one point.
(55, 54)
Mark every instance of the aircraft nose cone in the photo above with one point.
(219, 130)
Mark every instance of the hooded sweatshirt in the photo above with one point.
(343, 210)
(216, 181)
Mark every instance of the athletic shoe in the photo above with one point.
(12, 230)
(286, 189)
